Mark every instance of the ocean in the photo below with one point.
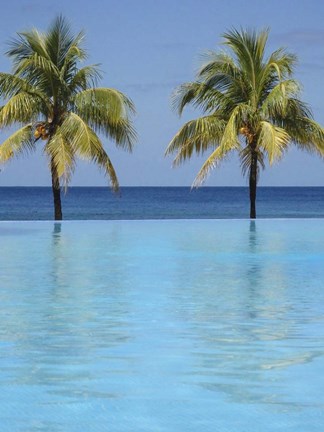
(94, 203)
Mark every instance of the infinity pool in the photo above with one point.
(162, 326)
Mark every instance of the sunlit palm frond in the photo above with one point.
(277, 100)
(10, 85)
(21, 108)
(19, 142)
(107, 111)
(214, 159)
(185, 94)
(230, 140)
(74, 54)
(104, 162)
(122, 132)
(61, 155)
(111, 101)
(85, 143)
(37, 64)
(81, 138)
(196, 136)
(273, 140)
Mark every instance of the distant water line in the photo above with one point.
(35, 203)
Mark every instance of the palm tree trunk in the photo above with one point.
(253, 183)
(56, 193)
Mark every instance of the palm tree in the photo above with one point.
(251, 105)
(55, 100)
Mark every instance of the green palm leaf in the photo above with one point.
(107, 111)
(85, 143)
(21, 108)
(196, 136)
(273, 140)
(19, 142)
(213, 160)
(201, 96)
(61, 155)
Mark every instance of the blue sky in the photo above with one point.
(148, 47)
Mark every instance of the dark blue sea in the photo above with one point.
(35, 203)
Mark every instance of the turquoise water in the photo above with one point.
(162, 326)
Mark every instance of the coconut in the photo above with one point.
(244, 130)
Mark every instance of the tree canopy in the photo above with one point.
(251, 104)
(55, 100)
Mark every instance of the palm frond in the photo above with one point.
(241, 114)
(114, 102)
(196, 136)
(74, 50)
(122, 132)
(215, 63)
(18, 143)
(273, 140)
(214, 159)
(11, 85)
(86, 77)
(21, 108)
(61, 155)
(58, 41)
(248, 47)
(219, 71)
(26, 45)
(276, 102)
(105, 163)
(282, 62)
(85, 143)
(34, 64)
(306, 134)
(107, 111)
(199, 95)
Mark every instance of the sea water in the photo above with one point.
(36, 203)
(162, 326)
